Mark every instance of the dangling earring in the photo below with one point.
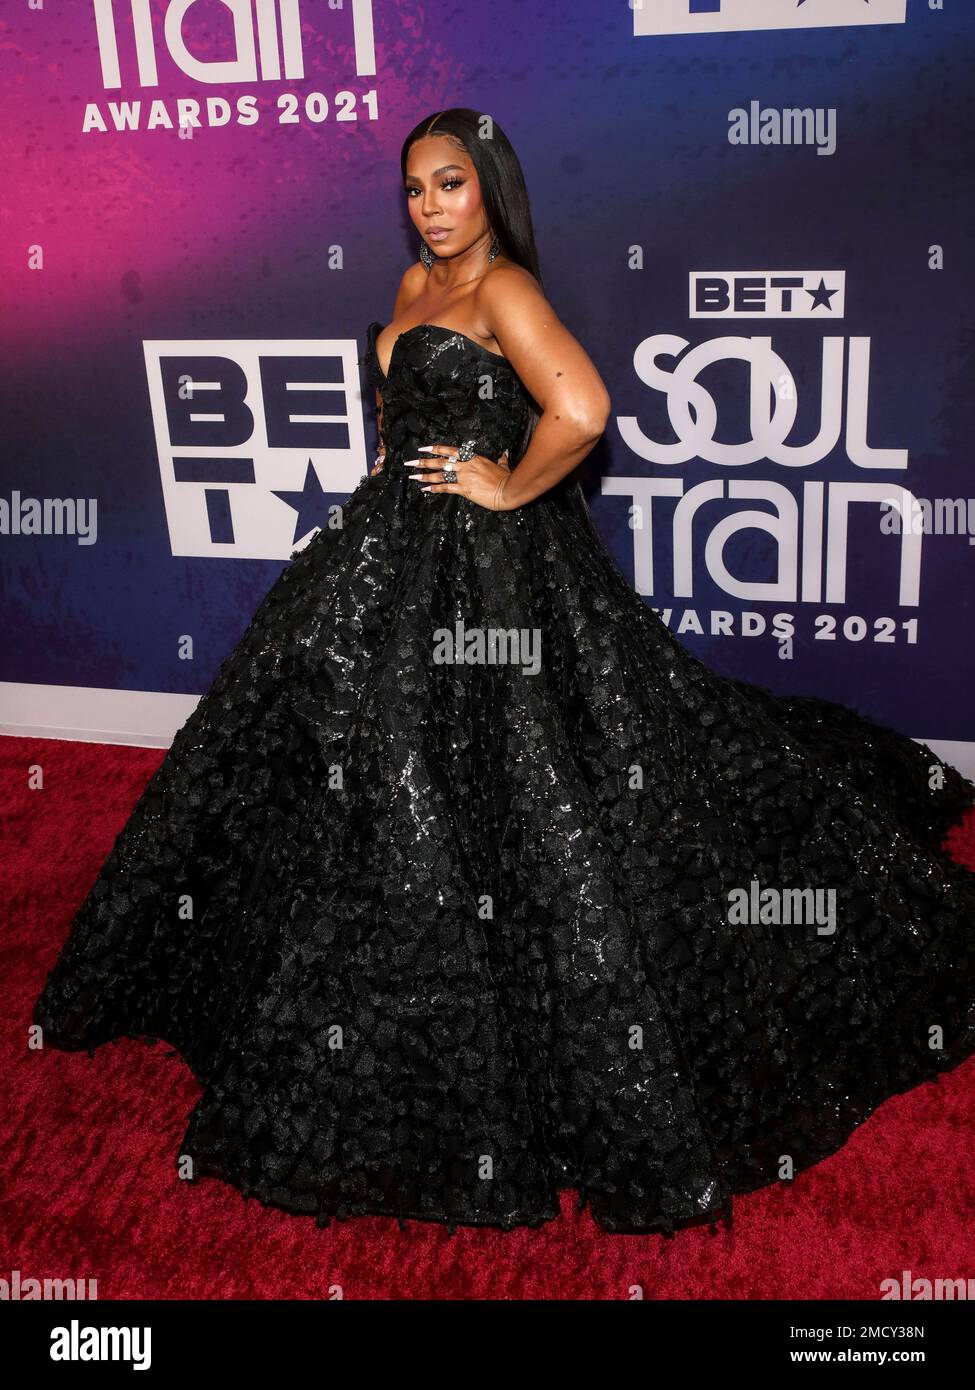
(428, 258)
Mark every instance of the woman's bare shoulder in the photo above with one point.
(411, 286)
(506, 278)
(509, 293)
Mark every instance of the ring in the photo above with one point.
(467, 450)
(449, 475)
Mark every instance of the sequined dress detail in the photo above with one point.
(460, 933)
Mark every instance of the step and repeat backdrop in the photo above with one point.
(754, 214)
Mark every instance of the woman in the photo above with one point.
(465, 883)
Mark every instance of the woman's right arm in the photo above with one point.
(410, 286)
(380, 462)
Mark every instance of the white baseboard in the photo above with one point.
(146, 718)
(955, 753)
(151, 718)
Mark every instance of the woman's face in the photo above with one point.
(442, 191)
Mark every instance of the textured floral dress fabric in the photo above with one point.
(442, 938)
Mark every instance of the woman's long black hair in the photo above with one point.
(503, 192)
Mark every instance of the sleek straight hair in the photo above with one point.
(503, 191)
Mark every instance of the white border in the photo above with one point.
(146, 718)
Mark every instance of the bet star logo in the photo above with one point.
(656, 17)
(312, 503)
(259, 441)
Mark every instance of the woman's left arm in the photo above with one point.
(558, 372)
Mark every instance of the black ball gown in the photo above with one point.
(441, 932)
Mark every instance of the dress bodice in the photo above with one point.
(443, 387)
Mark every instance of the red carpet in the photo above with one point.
(87, 1144)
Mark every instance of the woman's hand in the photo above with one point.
(479, 479)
